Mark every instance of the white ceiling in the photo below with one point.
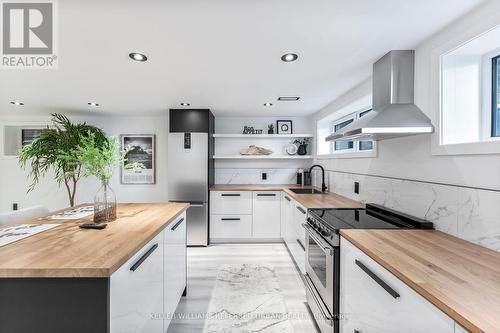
(219, 54)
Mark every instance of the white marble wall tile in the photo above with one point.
(479, 217)
(432, 202)
(436, 203)
(254, 176)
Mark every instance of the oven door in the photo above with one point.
(320, 267)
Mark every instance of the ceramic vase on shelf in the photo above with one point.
(105, 204)
(302, 150)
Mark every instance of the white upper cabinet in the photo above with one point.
(267, 214)
(372, 300)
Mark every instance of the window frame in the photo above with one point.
(333, 149)
(356, 149)
(494, 132)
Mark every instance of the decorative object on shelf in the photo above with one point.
(270, 129)
(256, 150)
(56, 150)
(291, 149)
(284, 126)
(302, 145)
(251, 130)
(100, 161)
(139, 165)
(248, 130)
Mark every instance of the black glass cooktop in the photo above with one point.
(373, 217)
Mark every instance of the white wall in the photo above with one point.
(410, 157)
(14, 183)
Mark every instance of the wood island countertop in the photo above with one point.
(460, 278)
(309, 201)
(68, 251)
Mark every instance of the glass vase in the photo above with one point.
(105, 204)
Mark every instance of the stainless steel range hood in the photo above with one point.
(394, 113)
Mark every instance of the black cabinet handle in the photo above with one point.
(177, 224)
(380, 282)
(287, 198)
(144, 257)
(301, 245)
(301, 210)
(230, 195)
(230, 219)
(356, 331)
(266, 194)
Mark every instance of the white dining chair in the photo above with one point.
(23, 214)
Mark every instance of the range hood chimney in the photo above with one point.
(394, 112)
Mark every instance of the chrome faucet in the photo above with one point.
(323, 185)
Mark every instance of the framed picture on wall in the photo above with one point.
(284, 127)
(139, 166)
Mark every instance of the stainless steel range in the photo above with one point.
(323, 253)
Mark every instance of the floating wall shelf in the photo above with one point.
(263, 136)
(263, 157)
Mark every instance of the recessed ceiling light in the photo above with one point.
(185, 104)
(268, 104)
(138, 56)
(288, 98)
(93, 104)
(17, 103)
(289, 57)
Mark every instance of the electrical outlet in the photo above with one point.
(264, 176)
(356, 187)
(14, 206)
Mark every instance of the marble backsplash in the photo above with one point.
(254, 176)
(470, 214)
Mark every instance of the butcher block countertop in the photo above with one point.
(71, 252)
(309, 201)
(460, 278)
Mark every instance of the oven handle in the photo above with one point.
(310, 286)
(321, 244)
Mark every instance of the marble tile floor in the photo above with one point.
(204, 266)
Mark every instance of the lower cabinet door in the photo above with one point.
(230, 226)
(266, 214)
(372, 300)
(174, 251)
(136, 291)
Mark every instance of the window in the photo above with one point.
(365, 145)
(470, 92)
(350, 146)
(495, 101)
(343, 145)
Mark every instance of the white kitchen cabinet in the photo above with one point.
(174, 263)
(294, 235)
(231, 202)
(136, 291)
(266, 215)
(298, 252)
(373, 300)
(230, 227)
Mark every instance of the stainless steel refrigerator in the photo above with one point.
(191, 168)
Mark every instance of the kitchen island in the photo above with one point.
(127, 277)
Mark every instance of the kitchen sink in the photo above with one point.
(305, 191)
